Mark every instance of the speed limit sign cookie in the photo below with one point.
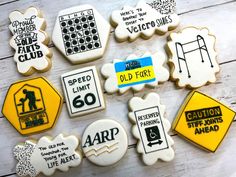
(83, 92)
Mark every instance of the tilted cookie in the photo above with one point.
(47, 155)
(145, 19)
(29, 41)
(81, 33)
(135, 72)
(192, 57)
(151, 128)
(203, 121)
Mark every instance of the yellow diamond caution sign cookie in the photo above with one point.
(32, 105)
(203, 121)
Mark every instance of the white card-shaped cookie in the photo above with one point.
(193, 57)
(145, 19)
(150, 127)
(29, 41)
(47, 155)
(104, 142)
(81, 33)
(135, 72)
(83, 91)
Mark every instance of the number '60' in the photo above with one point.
(89, 99)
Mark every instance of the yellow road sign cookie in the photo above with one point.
(203, 121)
(32, 105)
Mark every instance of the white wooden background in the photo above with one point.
(218, 15)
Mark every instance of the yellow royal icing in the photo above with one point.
(203, 121)
(32, 105)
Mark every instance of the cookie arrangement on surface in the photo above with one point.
(83, 91)
(104, 142)
(192, 57)
(203, 120)
(144, 20)
(32, 105)
(47, 155)
(150, 127)
(29, 41)
(81, 33)
(135, 72)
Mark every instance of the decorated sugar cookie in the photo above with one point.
(203, 121)
(104, 142)
(29, 41)
(192, 57)
(145, 19)
(135, 73)
(32, 105)
(150, 127)
(81, 33)
(83, 91)
(47, 155)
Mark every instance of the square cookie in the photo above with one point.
(82, 90)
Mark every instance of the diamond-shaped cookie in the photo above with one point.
(203, 121)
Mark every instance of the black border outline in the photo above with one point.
(58, 110)
(161, 125)
(67, 95)
(182, 108)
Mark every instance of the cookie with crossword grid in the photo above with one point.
(29, 41)
(47, 155)
(145, 19)
(81, 33)
(151, 128)
(135, 73)
(83, 91)
(192, 57)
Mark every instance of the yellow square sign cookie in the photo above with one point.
(203, 121)
(32, 105)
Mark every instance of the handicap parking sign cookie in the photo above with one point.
(151, 128)
(47, 155)
(104, 142)
(83, 91)
(32, 105)
(135, 72)
(192, 57)
(203, 121)
(81, 33)
(30, 41)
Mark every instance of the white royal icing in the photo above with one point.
(150, 127)
(81, 33)
(29, 41)
(104, 142)
(47, 155)
(141, 76)
(145, 19)
(193, 57)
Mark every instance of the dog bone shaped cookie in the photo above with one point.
(47, 155)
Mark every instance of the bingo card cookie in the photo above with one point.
(32, 105)
(203, 121)
(81, 33)
(145, 19)
(83, 91)
(29, 41)
(47, 155)
(192, 57)
(150, 127)
(104, 142)
(135, 73)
